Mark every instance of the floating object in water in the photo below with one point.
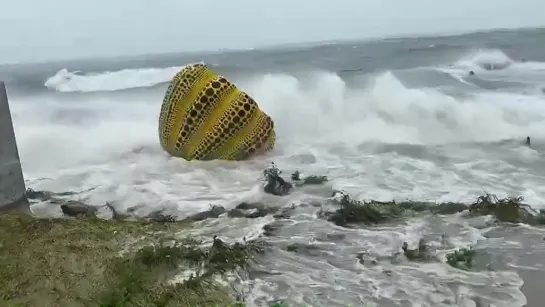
(528, 140)
(205, 117)
(274, 183)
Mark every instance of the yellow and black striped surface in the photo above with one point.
(205, 117)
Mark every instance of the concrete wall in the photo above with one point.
(12, 184)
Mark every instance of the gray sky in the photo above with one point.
(40, 30)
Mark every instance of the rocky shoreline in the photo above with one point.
(85, 260)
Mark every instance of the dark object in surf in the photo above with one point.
(296, 176)
(422, 253)
(461, 259)
(77, 209)
(528, 140)
(213, 213)
(310, 180)
(251, 210)
(274, 183)
(510, 210)
(471, 73)
(353, 211)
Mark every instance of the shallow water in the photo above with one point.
(390, 119)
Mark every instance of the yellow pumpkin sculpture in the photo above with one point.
(205, 117)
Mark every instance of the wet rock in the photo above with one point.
(364, 258)
(235, 213)
(159, 217)
(422, 253)
(272, 229)
(214, 212)
(285, 213)
(315, 180)
(296, 176)
(273, 183)
(251, 210)
(310, 180)
(250, 206)
(305, 249)
(78, 209)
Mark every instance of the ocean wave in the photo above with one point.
(67, 81)
(318, 110)
(490, 60)
(484, 62)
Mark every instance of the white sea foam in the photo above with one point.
(369, 138)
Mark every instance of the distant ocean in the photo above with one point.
(386, 119)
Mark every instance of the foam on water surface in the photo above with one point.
(376, 138)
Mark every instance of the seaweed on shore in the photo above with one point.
(350, 211)
(509, 209)
(353, 211)
(461, 259)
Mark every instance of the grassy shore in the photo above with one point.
(93, 262)
(119, 263)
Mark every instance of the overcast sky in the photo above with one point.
(40, 30)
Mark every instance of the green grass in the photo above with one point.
(91, 262)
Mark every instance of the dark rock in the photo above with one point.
(305, 249)
(422, 253)
(285, 213)
(274, 183)
(235, 213)
(213, 213)
(159, 217)
(250, 206)
(310, 180)
(365, 258)
(78, 209)
(251, 210)
(272, 229)
(296, 176)
(257, 213)
(314, 180)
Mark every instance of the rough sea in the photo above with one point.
(397, 118)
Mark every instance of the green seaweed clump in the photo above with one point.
(461, 259)
(509, 209)
(353, 211)
(309, 180)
